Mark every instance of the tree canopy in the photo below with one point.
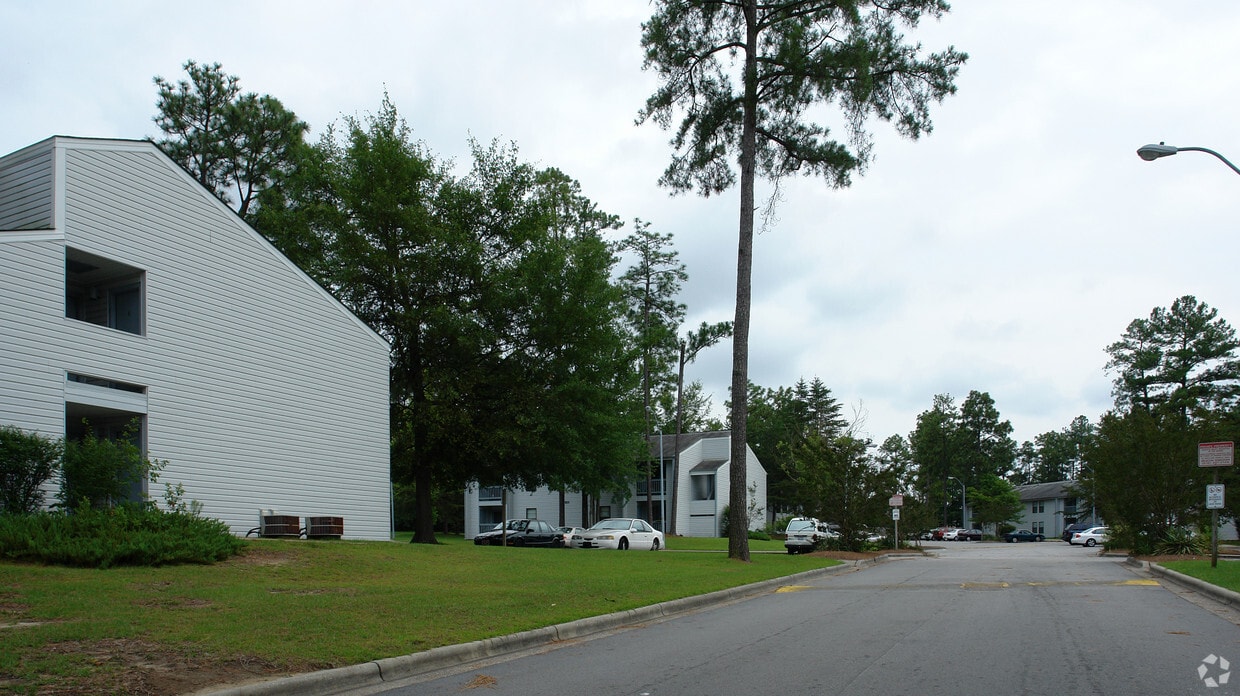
(234, 144)
(790, 56)
(510, 363)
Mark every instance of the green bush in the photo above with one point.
(27, 461)
(100, 471)
(129, 534)
(1182, 542)
(759, 535)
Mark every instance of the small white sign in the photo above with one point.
(895, 513)
(896, 501)
(1214, 496)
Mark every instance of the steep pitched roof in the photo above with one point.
(1046, 491)
(687, 440)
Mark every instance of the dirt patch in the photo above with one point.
(127, 666)
(258, 553)
(862, 555)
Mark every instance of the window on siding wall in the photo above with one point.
(704, 487)
(531, 513)
(1038, 506)
(104, 292)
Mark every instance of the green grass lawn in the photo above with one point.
(1226, 575)
(316, 604)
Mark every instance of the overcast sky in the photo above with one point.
(1001, 253)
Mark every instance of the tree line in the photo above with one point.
(521, 354)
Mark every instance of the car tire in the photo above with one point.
(517, 542)
(1090, 542)
(654, 545)
(1039, 538)
(624, 544)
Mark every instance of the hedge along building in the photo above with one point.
(131, 292)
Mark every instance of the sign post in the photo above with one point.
(1214, 455)
(895, 502)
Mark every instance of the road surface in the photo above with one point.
(985, 619)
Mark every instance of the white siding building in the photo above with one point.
(703, 487)
(130, 292)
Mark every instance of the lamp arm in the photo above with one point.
(1224, 160)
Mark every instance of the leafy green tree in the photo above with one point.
(236, 145)
(785, 417)
(969, 443)
(27, 461)
(510, 363)
(841, 482)
(985, 445)
(933, 444)
(1181, 359)
(1143, 477)
(651, 285)
(792, 55)
(993, 501)
(1176, 386)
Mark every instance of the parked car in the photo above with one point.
(621, 533)
(1090, 537)
(1074, 528)
(566, 535)
(1022, 535)
(804, 534)
(521, 533)
(949, 534)
(937, 533)
(969, 535)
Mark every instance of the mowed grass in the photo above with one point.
(1226, 575)
(318, 604)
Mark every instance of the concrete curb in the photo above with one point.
(1218, 594)
(392, 669)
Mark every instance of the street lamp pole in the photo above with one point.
(964, 504)
(1149, 153)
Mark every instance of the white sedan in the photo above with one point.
(1090, 537)
(621, 533)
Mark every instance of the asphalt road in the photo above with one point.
(988, 619)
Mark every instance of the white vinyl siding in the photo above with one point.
(693, 517)
(263, 392)
(26, 184)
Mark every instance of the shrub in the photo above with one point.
(101, 471)
(1182, 542)
(132, 534)
(27, 461)
(759, 535)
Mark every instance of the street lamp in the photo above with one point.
(1149, 153)
(964, 506)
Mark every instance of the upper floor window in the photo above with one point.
(704, 487)
(104, 292)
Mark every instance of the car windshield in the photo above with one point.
(612, 524)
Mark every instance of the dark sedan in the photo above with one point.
(1022, 535)
(969, 535)
(522, 533)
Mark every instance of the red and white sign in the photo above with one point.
(896, 501)
(1211, 454)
